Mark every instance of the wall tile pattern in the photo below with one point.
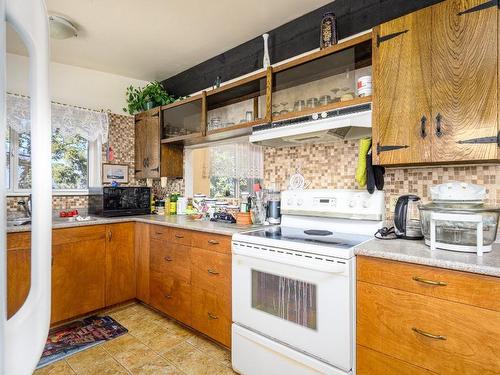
(334, 166)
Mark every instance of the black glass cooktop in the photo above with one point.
(313, 236)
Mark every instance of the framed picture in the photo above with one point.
(114, 172)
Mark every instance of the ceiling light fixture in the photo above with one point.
(61, 28)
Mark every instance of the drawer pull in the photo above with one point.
(212, 272)
(212, 316)
(168, 296)
(213, 242)
(429, 282)
(168, 259)
(429, 335)
(159, 233)
(179, 236)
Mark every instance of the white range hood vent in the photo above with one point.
(347, 123)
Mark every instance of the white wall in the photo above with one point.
(74, 85)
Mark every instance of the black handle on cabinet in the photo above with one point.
(439, 133)
(423, 123)
(168, 259)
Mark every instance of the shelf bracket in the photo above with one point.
(381, 148)
(477, 8)
(381, 39)
(482, 140)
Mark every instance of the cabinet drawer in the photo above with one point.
(180, 236)
(438, 335)
(370, 362)
(171, 296)
(171, 259)
(212, 315)
(463, 287)
(211, 271)
(215, 242)
(160, 232)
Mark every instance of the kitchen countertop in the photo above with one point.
(170, 221)
(419, 253)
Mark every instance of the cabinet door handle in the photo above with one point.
(212, 316)
(168, 259)
(439, 133)
(144, 162)
(212, 272)
(159, 233)
(110, 236)
(168, 296)
(179, 236)
(427, 334)
(213, 242)
(423, 123)
(429, 282)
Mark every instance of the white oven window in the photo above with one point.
(286, 298)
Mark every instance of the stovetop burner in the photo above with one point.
(314, 236)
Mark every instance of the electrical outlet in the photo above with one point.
(392, 203)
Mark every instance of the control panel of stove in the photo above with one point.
(334, 203)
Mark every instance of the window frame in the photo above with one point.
(94, 158)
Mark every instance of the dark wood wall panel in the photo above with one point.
(291, 39)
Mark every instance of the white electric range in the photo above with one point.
(294, 284)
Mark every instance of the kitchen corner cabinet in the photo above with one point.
(120, 263)
(147, 144)
(436, 85)
(414, 319)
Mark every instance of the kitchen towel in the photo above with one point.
(364, 146)
(374, 175)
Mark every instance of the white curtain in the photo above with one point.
(70, 120)
(236, 160)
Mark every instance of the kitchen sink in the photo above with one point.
(19, 222)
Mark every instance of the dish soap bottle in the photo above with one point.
(173, 203)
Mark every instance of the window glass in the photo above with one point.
(69, 162)
(23, 161)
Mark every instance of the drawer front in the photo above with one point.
(370, 362)
(435, 334)
(160, 232)
(171, 259)
(171, 296)
(212, 315)
(215, 242)
(211, 271)
(180, 236)
(463, 287)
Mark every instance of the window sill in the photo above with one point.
(56, 193)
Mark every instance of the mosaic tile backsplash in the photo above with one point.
(334, 165)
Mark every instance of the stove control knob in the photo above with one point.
(299, 202)
(365, 204)
(289, 202)
(315, 116)
(333, 202)
(352, 204)
(324, 115)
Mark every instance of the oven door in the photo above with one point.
(301, 301)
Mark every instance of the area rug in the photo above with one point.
(79, 335)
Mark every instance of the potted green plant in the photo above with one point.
(150, 96)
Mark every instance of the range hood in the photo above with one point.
(346, 123)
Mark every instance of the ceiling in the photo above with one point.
(156, 39)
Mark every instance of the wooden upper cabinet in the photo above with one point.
(402, 91)
(184, 120)
(464, 80)
(436, 85)
(147, 144)
(120, 263)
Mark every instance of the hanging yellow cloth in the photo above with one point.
(364, 146)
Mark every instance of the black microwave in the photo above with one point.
(120, 201)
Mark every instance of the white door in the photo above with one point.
(22, 337)
(308, 309)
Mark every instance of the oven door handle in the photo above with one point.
(291, 260)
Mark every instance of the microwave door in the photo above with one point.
(23, 336)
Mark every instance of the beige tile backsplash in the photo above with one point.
(334, 165)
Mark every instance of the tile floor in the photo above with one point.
(154, 345)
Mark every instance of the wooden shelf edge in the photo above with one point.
(325, 108)
(181, 138)
(239, 82)
(181, 102)
(236, 127)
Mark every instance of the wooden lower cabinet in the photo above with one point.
(171, 296)
(142, 253)
(120, 263)
(18, 270)
(211, 315)
(436, 334)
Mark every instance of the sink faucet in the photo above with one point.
(26, 205)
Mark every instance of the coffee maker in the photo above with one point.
(274, 207)
(407, 218)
